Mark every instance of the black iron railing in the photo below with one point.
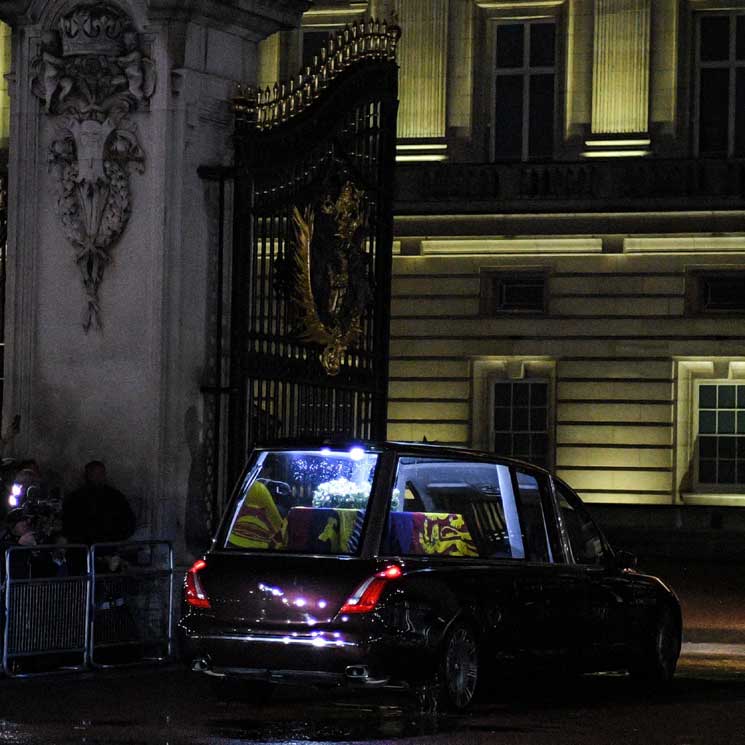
(592, 184)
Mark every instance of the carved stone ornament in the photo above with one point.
(90, 75)
(331, 275)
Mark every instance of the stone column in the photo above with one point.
(110, 244)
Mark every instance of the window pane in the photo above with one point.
(502, 394)
(707, 396)
(587, 546)
(707, 447)
(460, 511)
(539, 394)
(726, 422)
(725, 292)
(741, 448)
(503, 443)
(502, 418)
(741, 423)
(714, 38)
(741, 396)
(707, 471)
(740, 37)
(510, 41)
(522, 293)
(727, 447)
(739, 113)
(538, 445)
(541, 126)
(520, 394)
(741, 472)
(294, 496)
(707, 422)
(726, 396)
(538, 420)
(714, 111)
(508, 117)
(542, 44)
(726, 472)
(521, 446)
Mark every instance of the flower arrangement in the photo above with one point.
(341, 492)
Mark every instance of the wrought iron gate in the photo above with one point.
(303, 299)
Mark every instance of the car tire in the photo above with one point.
(458, 669)
(659, 656)
(254, 692)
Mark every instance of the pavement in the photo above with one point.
(712, 597)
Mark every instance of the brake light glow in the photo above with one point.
(195, 594)
(366, 596)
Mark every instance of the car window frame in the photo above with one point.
(549, 512)
(465, 458)
(575, 502)
(251, 471)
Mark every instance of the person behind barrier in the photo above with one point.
(97, 512)
(19, 531)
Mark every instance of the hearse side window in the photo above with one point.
(452, 508)
(584, 537)
(532, 518)
(303, 502)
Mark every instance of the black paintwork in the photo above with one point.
(267, 609)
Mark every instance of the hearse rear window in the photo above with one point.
(456, 509)
(304, 501)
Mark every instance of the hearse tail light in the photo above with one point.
(195, 594)
(366, 596)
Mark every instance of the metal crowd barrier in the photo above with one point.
(47, 609)
(131, 619)
(70, 607)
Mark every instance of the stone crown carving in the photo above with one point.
(91, 74)
(93, 30)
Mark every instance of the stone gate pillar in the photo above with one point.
(114, 105)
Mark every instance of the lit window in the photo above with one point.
(721, 433)
(520, 420)
(524, 91)
(512, 292)
(720, 60)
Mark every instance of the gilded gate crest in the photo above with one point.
(331, 284)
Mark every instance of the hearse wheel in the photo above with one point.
(459, 669)
(658, 660)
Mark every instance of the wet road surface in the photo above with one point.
(705, 706)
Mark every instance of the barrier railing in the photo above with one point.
(131, 620)
(70, 607)
(47, 607)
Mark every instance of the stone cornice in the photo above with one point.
(255, 18)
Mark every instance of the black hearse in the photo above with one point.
(393, 563)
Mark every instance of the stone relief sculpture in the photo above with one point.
(90, 75)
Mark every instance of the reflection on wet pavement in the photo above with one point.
(173, 707)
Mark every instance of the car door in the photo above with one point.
(551, 591)
(609, 594)
(447, 522)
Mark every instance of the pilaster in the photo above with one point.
(422, 84)
(129, 392)
(620, 81)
